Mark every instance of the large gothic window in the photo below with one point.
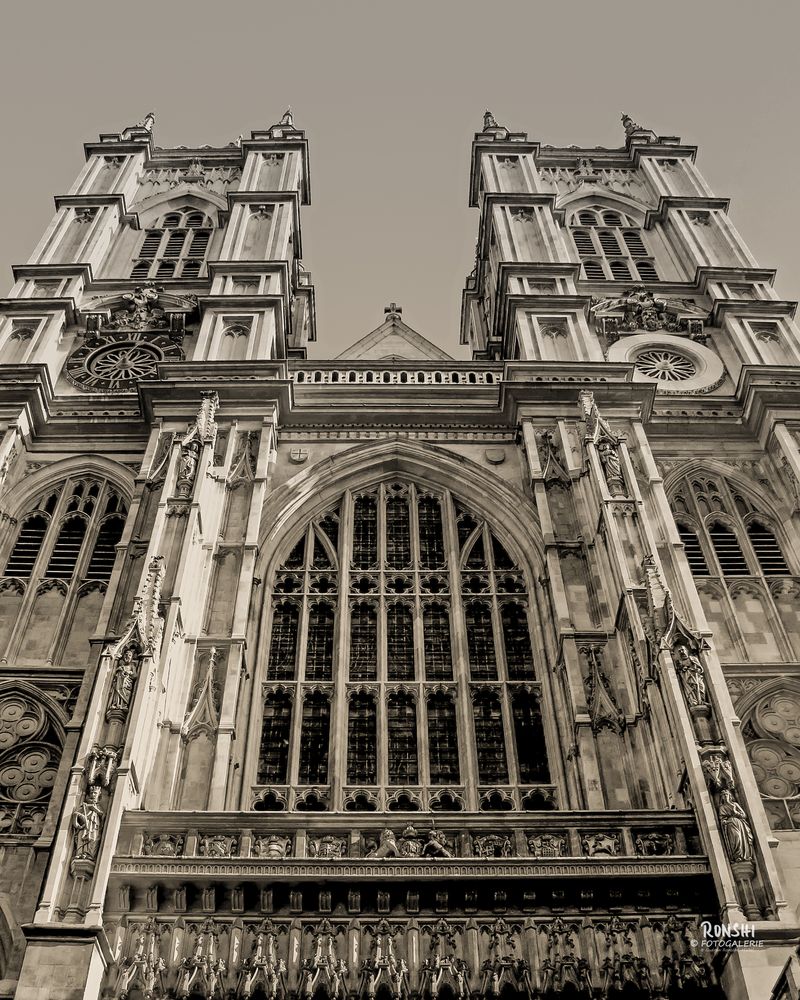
(740, 570)
(397, 624)
(175, 247)
(57, 571)
(611, 246)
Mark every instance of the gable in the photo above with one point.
(394, 341)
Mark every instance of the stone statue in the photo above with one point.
(148, 121)
(692, 675)
(122, 682)
(629, 125)
(436, 846)
(87, 826)
(609, 458)
(489, 121)
(387, 848)
(735, 827)
(187, 468)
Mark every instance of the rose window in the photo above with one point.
(665, 365)
(28, 764)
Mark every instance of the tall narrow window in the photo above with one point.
(105, 549)
(314, 740)
(319, 652)
(274, 750)
(398, 533)
(402, 719)
(480, 642)
(283, 646)
(693, 550)
(442, 740)
(768, 552)
(400, 642)
(489, 738)
(431, 537)
(362, 741)
(27, 546)
(728, 550)
(529, 736)
(436, 631)
(517, 641)
(363, 643)
(69, 542)
(365, 532)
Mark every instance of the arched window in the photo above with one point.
(602, 255)
(176, 247)
(274, 756)
(424, 662)
(743, 577)
(66, 539)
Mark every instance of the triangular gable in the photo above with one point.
(394, 340)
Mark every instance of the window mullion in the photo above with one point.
(337, 768)
(467, 749)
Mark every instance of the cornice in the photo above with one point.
(666, 203)
(33, 307)
(273, 197)
(95, 200)
(21, 271)
(751, 307)
(26, 387)
(358, 869)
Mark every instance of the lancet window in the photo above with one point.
(740, 560)
(398, 630)
(176, 247)
(611, 246)
(56, 572)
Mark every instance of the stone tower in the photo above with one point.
(393, 675)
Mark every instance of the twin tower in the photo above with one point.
(395, 676)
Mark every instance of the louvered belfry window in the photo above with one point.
(723, 531)
(175, 248)
(70, 537)
(744, 575)
(396, 616)
(611, 246)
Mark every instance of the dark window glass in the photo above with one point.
(273, 755)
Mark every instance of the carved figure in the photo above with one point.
(692, 675)
(271, 847)
(489, 121)
(217, 845)
(735, 827)
(87, 825)
(436, 846)
(148, 121)
(609, 458)
(122, 681)
(327, 846)
(187, 469)
(387, 848)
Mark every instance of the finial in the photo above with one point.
(148, 121)
(630, 125)
(489, 121)
(287, 119)
(392, 311)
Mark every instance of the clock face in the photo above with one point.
(116, 364)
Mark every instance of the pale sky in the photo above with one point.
(390, 95)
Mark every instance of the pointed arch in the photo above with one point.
(152, 209)
(388, 662)
(308, 494)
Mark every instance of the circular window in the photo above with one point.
(675, 364)
(665, 365)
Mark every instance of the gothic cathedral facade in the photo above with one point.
(395, 676)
